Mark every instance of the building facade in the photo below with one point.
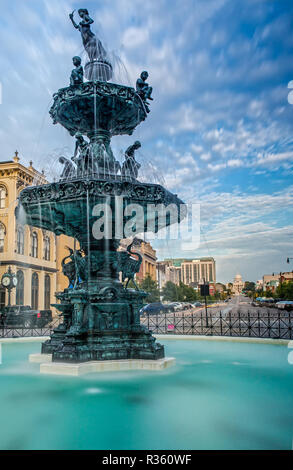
(270, 282)
(33, 254)
(238, 284)
(190, 272)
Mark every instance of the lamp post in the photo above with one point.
(9, 281)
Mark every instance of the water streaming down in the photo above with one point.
(100, 314)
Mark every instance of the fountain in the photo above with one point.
(100, 314)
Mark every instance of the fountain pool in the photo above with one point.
(220, 395)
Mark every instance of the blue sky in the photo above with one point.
(220, 129)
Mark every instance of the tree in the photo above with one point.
(249, 286)
(170, 292)
(285, 291)
(151, 287)
(182, 293)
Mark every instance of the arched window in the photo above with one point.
(20, 241)
(20, 288)
(35, 291)
(3, 195)
(34, 245)
(2, 237)
(47, 248)
(47, 291)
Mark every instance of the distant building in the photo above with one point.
(33, 254)
(191, 272)
(238, 284)
(272, 281)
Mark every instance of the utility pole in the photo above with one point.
(204, 289)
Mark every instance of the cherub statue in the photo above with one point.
(76, 77)
(69, 170)
(143, 89)
(131, 166)
(92, 44)
(84, 157)
(80, 153)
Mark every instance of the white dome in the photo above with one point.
(238, 277)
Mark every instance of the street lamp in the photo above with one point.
(288, 260)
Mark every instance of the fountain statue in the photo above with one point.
(76, 77)
(100, 313)
(98, 68)
(130, 167)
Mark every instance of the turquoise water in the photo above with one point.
(218, 396)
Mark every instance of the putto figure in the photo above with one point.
(131, 166)
(83, 157)
(69, 170)
(92, 44)
(144, 90)
(76, 77)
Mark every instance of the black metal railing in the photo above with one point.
(253, 324)
(7, 331)
(257, 324)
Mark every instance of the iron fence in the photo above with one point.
(256, 324)
(24, 332)
(252, 324)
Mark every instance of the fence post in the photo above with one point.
(230, 323)
(221, 323)
(192, 324)
(239, 322)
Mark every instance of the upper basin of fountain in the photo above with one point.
(94, 105)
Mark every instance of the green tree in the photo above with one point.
(249, 286)
(151, 287)
(182, 293)
(285, 291)
(170, 292)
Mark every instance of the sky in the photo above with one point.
(220, 131)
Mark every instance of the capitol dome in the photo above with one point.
(238, 277)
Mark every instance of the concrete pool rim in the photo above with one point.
(240, 339)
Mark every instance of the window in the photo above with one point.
(47, 290)
(35, 291)
(20, 288)
(2, 197)
(20, 241)
(2, 237)
(34, 245)
(47, 248)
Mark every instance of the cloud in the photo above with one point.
(220, 128)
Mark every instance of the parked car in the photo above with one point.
(154, 309)
(197, 304)
(285, 304)
(187, 306)
(22, 316)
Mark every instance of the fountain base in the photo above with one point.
(53, 368)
